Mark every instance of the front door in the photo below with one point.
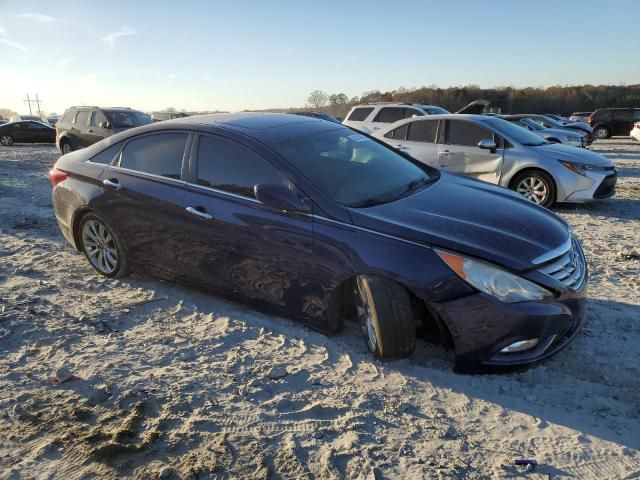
(459, 152)
(95, 132)
(239, 245)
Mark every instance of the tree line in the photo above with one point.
(557, 99)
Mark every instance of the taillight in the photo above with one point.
(56, 176)
(637, 125)
(590, 119)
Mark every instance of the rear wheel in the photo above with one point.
(6, 140)
(102, 247)
(537, 186)
(602, 132)
(65, 147)
(386, 317)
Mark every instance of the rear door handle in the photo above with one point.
(447, 153)
(199, 213)
(90, 131)
(112, 183)
(401, 147)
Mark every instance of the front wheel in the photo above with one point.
(386, 317)
(537, 186)
(102, 247)
(6, 140)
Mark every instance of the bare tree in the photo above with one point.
(317, 99)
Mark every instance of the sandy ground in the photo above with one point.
(164, 382)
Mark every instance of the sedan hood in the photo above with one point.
(470, 217)
(571, 154)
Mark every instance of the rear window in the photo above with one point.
(159, 154)
(127, 119)
(399, 133)
(359, 114)
(82, 119)
(423, 131)
(107, 156)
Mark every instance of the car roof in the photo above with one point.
(264, 127)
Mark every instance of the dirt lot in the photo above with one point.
(166, 382)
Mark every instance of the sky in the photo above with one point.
(237, 55)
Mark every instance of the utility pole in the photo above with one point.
(28, 101)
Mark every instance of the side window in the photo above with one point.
(82, 119)
(66, 118)
(466, 133)
(389, 115)
(423, 131)
(399, 133)
(622, 115)
(159, 154)
(359, 114)
(97, 118)
(32, 125)
(636, 115)
(107, 156)
(411, 112)
(231, 167)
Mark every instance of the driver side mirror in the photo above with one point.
(488, 144)
(106, 125)
(280, 197)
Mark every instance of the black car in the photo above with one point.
(324, 223)
(607, 122)
(26, 132)
(80, 127)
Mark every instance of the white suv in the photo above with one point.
(373, 116)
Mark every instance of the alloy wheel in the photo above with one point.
(364, 317)
(6, 140)
(602, 132)
(100, 247)
(534, 189)
(66, 148)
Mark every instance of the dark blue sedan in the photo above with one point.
(324, 224)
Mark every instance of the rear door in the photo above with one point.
(239, 245)
(459, 151)
(418, 139)
(78, 129)
(621, 123)
(142, 200)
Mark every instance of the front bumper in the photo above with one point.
(596, 185)
(481, 326)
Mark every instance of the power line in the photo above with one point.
(37, 101)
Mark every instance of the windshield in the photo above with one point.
(352, 169)
(435, 110)
(516, 133)
(550, 121)
(126, 119)
(530, 123)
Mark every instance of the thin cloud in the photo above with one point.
(17, 45)
(172, 77)
(124, 31)
(33, 17)
(64, 62)
(2, 31)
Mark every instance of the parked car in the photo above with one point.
(323, 223)
(554, 135)
(635, 132)
(372, 116)
(80, 127)
(162, 116)
(3, 121)
(32, 118)
(320, 115)
(53, 120)
(607, 122)
(548, 122)
(26, 132)
(497, 151)
(580, 116)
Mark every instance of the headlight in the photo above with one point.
(493, 280)
(581, 168)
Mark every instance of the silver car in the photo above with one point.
(496, 151)
(574, 138)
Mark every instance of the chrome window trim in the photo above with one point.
(222, 192)
(151, 176)
(363, 229)
(556, 252)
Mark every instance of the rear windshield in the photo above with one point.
(126, 119)
(435, 110)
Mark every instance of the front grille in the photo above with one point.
(569, 268)
(607, 187)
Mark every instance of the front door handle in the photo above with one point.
(112, 183)
(447, 153)
(90, 131)
(199, 213)
(401, 147)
